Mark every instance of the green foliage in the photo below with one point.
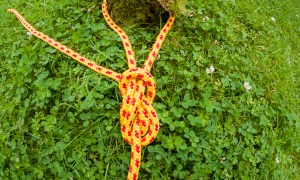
(59, 120)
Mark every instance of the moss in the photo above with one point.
(175, 6)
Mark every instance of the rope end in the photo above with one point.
(12, 11)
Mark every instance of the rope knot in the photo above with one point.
(139, 121)
(137, 116)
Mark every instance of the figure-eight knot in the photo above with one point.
(139, 121)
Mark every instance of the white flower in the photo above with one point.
(158, 57)
(29, 34)
(273, 19)
(206, 18)
(210, 70)
(277, 160)
(222, 160)
(216, 42)
(247, 86)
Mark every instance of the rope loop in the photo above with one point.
(134, 74)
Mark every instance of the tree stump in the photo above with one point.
(145, 12)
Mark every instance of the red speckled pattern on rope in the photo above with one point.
(139, 120)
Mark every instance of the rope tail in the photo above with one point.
(66, 50)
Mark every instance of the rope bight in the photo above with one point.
(138, 118)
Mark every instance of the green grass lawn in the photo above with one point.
(60, 120)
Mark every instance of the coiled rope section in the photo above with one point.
(139, 120)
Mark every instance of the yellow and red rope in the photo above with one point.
(139, 120)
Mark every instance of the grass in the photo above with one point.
(59, 120)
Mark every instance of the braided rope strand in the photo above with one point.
(66, 50)
(158, 43)
(138, 118)
(125, 40)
